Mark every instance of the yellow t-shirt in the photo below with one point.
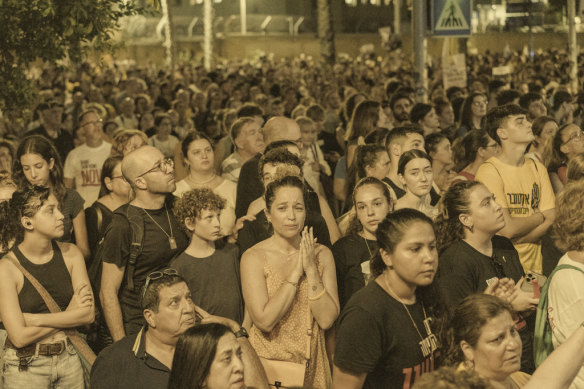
(521, 190)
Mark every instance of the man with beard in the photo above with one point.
(401, 106)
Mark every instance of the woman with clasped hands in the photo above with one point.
(283, 277)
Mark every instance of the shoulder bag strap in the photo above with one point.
(77, 341)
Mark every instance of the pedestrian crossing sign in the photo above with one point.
(451, 17)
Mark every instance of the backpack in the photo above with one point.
(542, 337)
(136, 221)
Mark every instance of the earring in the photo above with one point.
(470, 228)
(469, 365)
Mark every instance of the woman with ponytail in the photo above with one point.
(387, 334)
(473, 257)
(38, 352)
(470, 152)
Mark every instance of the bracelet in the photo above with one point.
(294, 284)
(322, 293)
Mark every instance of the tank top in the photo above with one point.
(53, 275)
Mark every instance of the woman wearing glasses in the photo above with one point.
(199, 158)
(472, 113)
(38, 163)
(566, 143)
(38, 353)
(289, 286)
(473, 257)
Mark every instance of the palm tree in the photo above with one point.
(209, 35)
(168, 35)
(325, 31)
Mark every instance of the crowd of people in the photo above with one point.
(294, 224)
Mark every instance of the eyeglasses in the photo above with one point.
(92, 122)
(576, 136)
(163, 166)
(479, 103)
(120, 177)
(495, 145)
(156, 275)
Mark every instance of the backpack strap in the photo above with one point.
(136, 221)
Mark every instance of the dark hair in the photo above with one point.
(467, 322)
(528, 98)
(194, 355)
(402, 132)
(397, 97)
(419, 111)
(496, 116)
(453, 203)
(466, 110)
(38, 144)
(365, 156)
(465, 149)
(283, 143)
(363, 121)
(286, 181)
(349, 106)
(107, 171)
(160, 117)
(507, 96)
(190, 138)
(440, 104)
(24, 202)
(538, 124)
(553, 157)
(432, 140)
(237, 127)
(315, 112)
(151, 295)
(559, 98)
(192, 203)
(409, 155)
(355, 225)
(279, 155)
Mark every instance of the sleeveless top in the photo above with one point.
(53, 275)
(287, 340)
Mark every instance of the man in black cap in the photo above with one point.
(51, 117)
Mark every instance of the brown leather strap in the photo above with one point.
(74, 337)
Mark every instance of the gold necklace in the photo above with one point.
(427, 345)
(201, 183)
(171, 240)
(367, 244)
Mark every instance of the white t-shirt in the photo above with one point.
(566, 306)
(83, 164)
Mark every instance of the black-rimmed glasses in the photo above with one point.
(162, 166)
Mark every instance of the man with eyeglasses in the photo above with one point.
(151, 177)
(144, 360)
(249, 186)
(521, 185)
(82, 170)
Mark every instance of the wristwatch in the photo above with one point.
(242, 333)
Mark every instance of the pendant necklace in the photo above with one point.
(171, 240)
(427, 345)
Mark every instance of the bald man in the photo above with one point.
(249, 186)
(152, 179)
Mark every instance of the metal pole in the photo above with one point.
(396, 16)
(243, 12)
(208, 38)
(573, 46)
(420, 76)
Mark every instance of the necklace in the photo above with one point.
(427, 345)
(367, 244)
(287, 254)
(171, 240)
(201, 183)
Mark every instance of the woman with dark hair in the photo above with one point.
(388, 332)
(566, 143)
(199, 158)
(472, 113)
(367, 116)
(544, 128)
(207, 356)
(164, 140)
(470, 151)
(38, 163)
(370, 161)
(483, 337)
(6, 155)
(473, 257)
(437, 146)
(38, 353)
(289, 286)
(415, 173)
(372, 201)
(114, 192)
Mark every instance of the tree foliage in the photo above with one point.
(50, 31)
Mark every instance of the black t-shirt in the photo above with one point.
(254, 231)
(63, 142)
(97, 218)
(399, 192)
(155, 255)
(463, 270)
(249, 186)
(214, 281)
(350, 252)
(376, 336)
